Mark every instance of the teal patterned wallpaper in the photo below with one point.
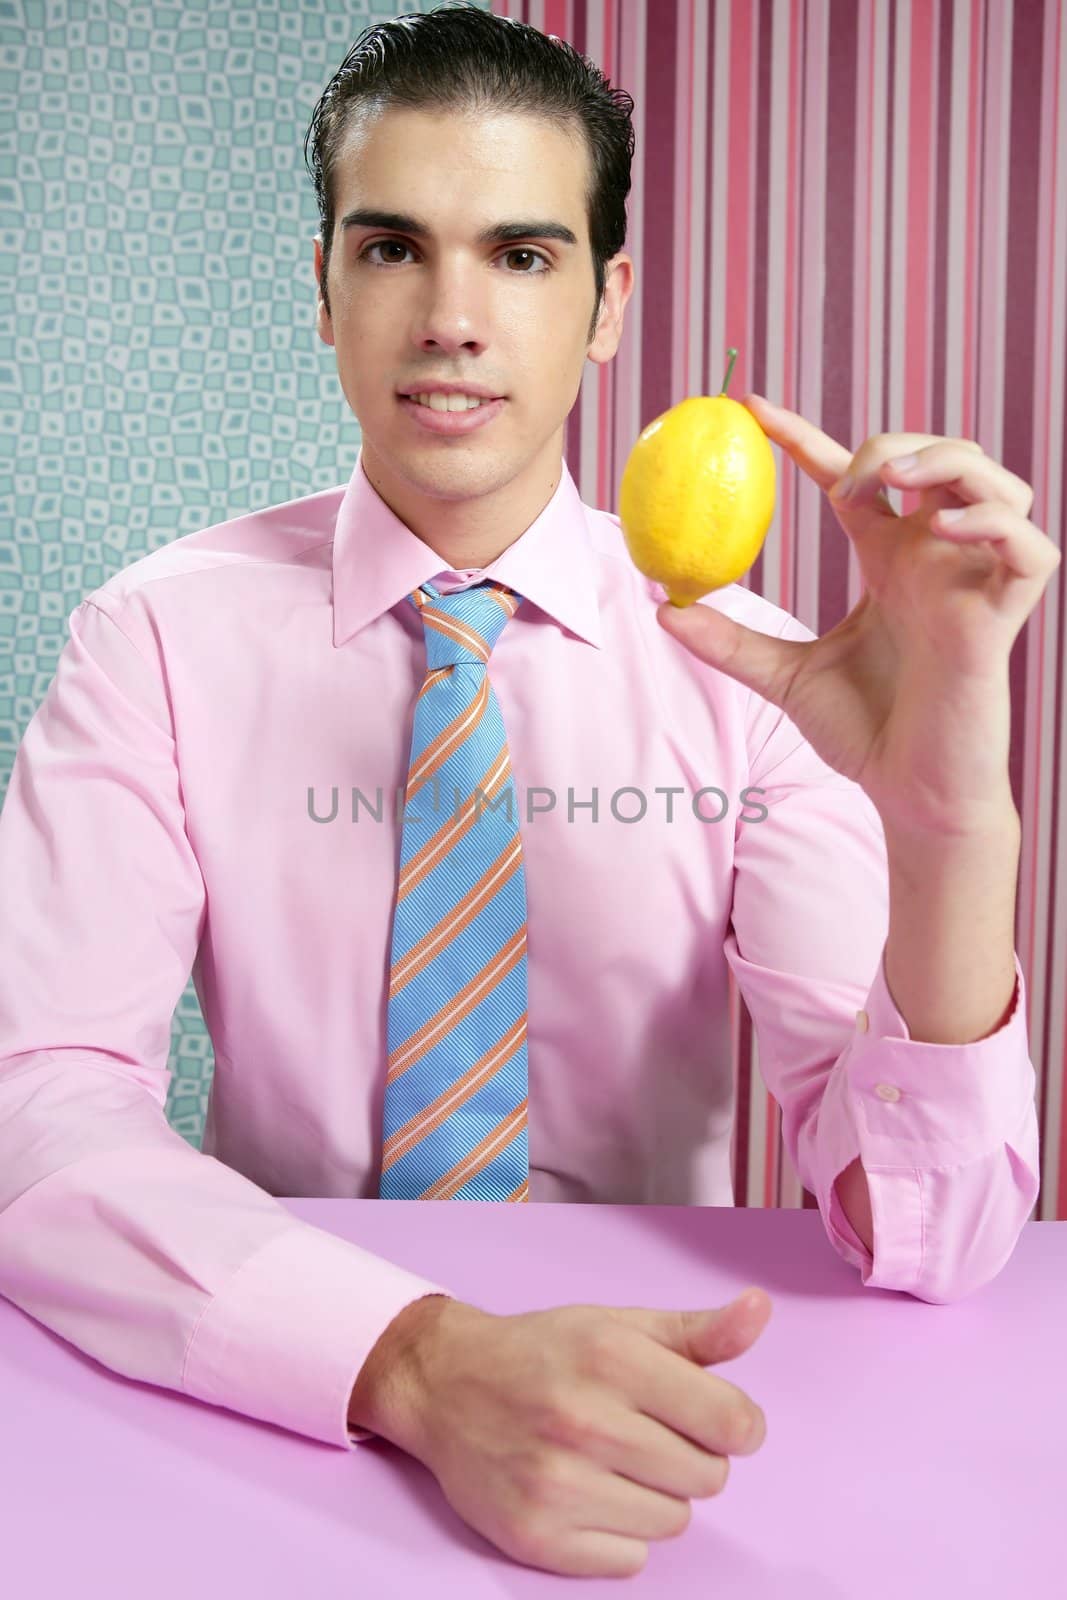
(159, 365)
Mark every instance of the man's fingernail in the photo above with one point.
(844, 487)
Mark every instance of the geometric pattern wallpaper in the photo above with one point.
(867, 197)
(159, 365)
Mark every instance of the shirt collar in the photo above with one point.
(378, 561)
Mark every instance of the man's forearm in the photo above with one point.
(950, 954)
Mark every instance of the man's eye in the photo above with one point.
(381, 244)
(398, 244)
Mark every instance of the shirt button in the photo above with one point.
(887, 1091)
(862, 1021)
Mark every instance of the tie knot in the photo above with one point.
(462, 627)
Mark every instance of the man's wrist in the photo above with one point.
(385, 1395)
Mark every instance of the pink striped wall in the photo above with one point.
(879, 223)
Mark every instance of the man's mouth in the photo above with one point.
(449, 402)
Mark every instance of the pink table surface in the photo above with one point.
(911, 1449)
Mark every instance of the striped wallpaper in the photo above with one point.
(869, 199)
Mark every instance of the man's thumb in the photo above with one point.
(757, 660)
(708, 1336)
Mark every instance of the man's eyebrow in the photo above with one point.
(499, 233)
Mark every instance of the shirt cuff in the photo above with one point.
(934, 1105)
(906, 1106)
(287, 1337)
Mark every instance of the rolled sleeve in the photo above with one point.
(947, 1134)
(948, 1139)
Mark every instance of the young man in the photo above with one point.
(513, 984)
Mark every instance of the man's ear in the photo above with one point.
(323, 324)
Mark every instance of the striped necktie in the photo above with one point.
(454, 1117)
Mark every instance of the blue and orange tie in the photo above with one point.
(454, 1118)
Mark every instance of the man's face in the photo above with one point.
(511, 316)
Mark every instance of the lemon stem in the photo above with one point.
(732, 353)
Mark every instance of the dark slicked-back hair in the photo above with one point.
(460, 58)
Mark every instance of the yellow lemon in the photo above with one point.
(697, 496)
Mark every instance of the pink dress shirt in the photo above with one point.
(210, 786)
